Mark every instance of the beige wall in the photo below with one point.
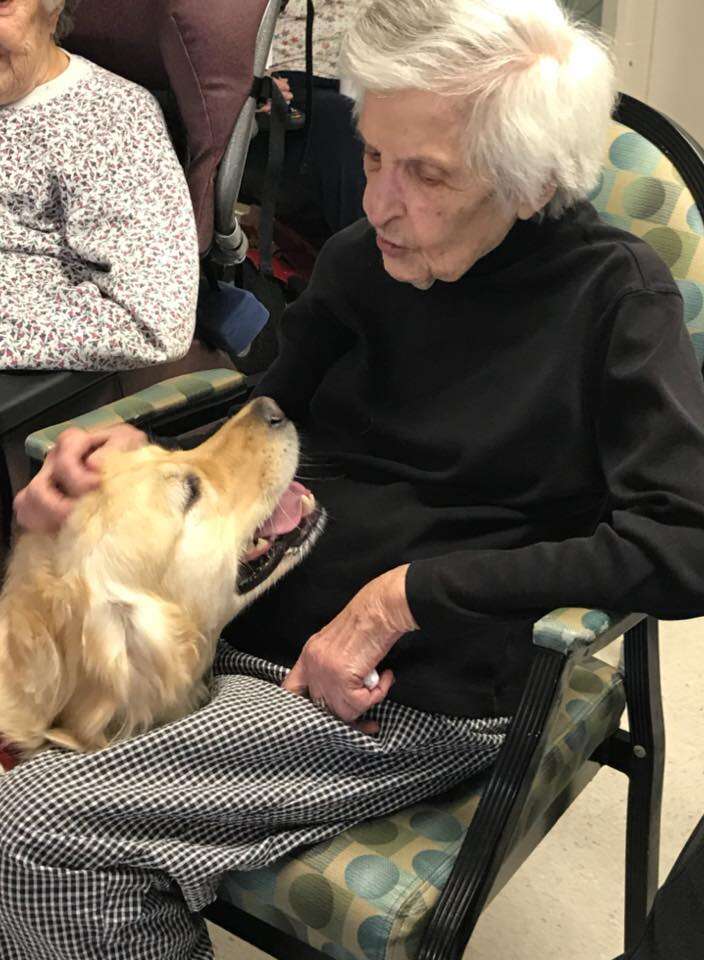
(677, 65)
(659, 47)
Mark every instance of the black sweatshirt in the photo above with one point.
(529, 436)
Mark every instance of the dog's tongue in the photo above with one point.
(287, 514)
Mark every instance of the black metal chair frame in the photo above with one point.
(486, 858)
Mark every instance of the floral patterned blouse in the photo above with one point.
(98, 252)
(332, 18)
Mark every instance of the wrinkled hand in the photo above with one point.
(71, 468)
(335, 661)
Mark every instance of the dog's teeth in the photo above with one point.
(259, 546)
(307, 504)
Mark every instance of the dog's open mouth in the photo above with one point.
(294, 525)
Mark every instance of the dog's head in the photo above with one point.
(133, 591)
(208, 529)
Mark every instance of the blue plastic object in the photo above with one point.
(229, 317)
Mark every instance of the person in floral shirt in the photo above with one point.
(332, 18)
(98, 253)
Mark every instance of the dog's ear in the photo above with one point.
(143, 654)
(38, 613)
(33, 660)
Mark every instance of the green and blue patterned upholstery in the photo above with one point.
(571, 630)
(641, 191)
(165, 397)
(367, 894)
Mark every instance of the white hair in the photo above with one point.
(538, 87)
(65, 21)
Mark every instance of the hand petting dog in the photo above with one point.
(333, 664)
(71, 468)
(132, 561)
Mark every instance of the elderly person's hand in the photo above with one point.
(71, 468)
(283, 85)
(335, 661)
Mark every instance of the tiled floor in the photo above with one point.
(566, 902)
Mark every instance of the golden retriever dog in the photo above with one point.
(109, 627)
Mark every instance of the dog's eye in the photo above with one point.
(192, 483)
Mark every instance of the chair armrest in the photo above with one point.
(578, 631)
(25, 394)
(563, 637)
(189, 391)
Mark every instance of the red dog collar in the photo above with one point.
(9, 757)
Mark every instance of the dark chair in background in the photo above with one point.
(412, 886)
(200, 60)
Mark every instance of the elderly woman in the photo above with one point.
(508, 415)
(98, 254)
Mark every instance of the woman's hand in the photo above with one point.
(283, 85)
(71, 468)
(334, 662)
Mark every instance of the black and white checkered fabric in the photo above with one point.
(108, 855)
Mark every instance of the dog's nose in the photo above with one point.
(269, 411)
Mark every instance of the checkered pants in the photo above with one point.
(109, 855)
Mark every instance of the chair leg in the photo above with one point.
(490, 833)
(645, 775)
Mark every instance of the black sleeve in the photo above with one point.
(311, 338)
(647, 554)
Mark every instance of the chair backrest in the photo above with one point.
(202, 50)
(653, 186)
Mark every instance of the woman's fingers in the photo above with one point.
(346, 698)
(381, 690)
(295, 681)
(123, 437)
(41, 507)
(48, 498)
(70, 470)
(283, 85)
(370, 727)
(68, 467)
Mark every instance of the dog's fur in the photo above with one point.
(109, 627)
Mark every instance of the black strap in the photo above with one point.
(211, 274)
(274, 165)
(310, 67)
(264, 88)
